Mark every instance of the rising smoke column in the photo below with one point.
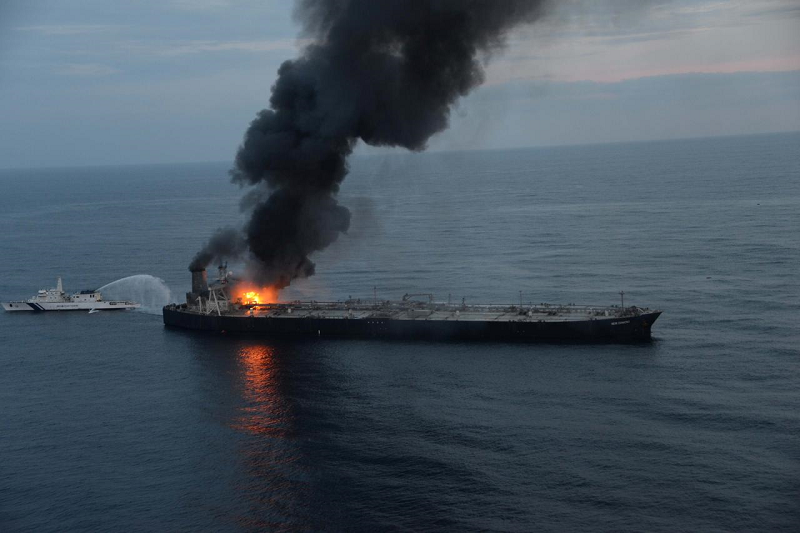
(385, 72)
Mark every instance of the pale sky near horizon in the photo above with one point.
(90, 82)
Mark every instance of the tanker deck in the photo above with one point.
(413, 320)
(214, 309)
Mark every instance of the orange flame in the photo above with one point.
(251, 295)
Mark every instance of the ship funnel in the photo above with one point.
(199, 285)
(199, 281)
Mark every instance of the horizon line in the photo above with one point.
(398, 151)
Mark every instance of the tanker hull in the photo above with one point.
(554, 329)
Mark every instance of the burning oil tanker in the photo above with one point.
(230, 306)
(387, 75)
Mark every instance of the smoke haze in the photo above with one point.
(384, 72)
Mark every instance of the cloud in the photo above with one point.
(200, 5)
(604, 41)
(536, 112)
(623, 19)
(198, 46)
(86, 69)
(70, 29)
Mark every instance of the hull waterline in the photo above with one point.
(612, 329)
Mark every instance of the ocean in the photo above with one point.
(111, 422)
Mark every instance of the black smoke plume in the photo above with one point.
(385, 72)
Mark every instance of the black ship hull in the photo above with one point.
(616, 329)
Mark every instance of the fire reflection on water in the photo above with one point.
(265, 411)
(273, 488)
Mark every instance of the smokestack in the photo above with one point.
(199, 284)
(382, 72)
(199, 280)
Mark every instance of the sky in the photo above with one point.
(93, 82)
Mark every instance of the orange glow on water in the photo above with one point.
(264, 412)
(269, 449)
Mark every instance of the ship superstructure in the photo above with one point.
(57, 300)
(215, 308)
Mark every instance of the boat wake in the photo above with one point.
(145, 289)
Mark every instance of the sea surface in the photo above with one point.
(111, 422)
